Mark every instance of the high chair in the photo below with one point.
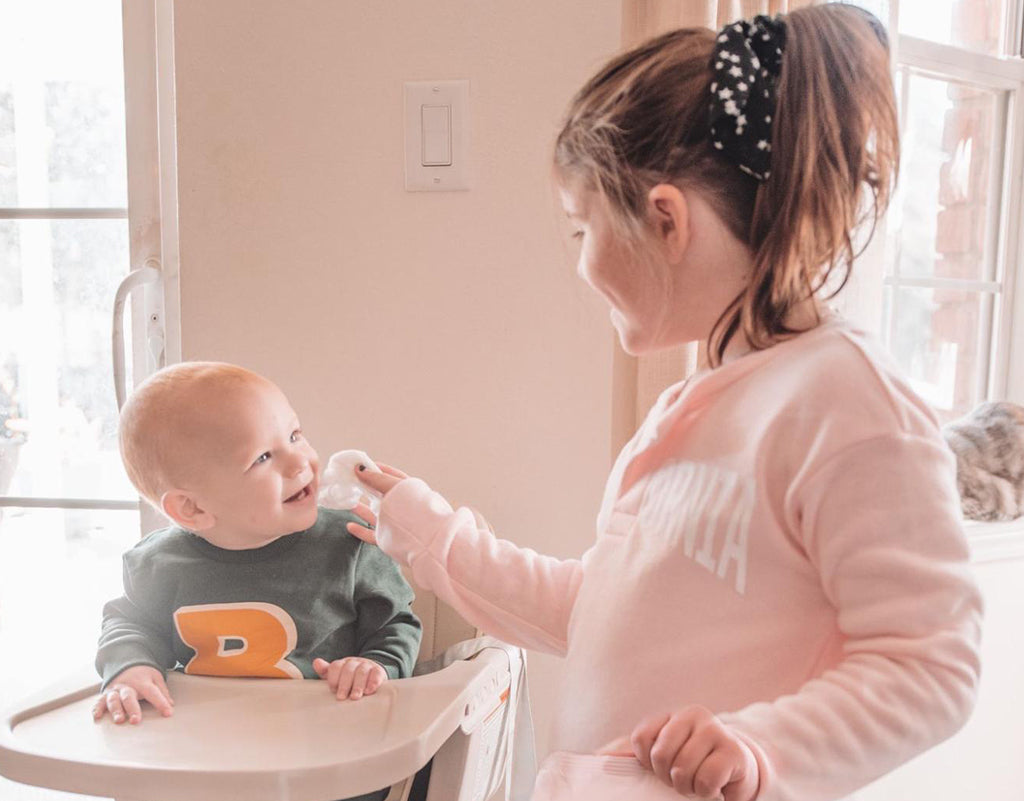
(465, 712)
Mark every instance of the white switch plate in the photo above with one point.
(455, 95)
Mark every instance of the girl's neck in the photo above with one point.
(806, 315)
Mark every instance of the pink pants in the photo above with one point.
(584, 777)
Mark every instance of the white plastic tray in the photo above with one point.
(243, 739)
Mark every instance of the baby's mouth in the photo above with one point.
(302, 494)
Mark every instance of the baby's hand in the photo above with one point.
(351, 677)
(121, 698)
(695, 753)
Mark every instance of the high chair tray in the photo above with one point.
(244, 739)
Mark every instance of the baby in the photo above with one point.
(253, 579)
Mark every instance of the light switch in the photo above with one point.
(437, 135)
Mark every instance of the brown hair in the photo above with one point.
(644, 119)
(161, 411)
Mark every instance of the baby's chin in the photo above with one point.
(309, 516)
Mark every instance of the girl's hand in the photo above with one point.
(382, 482)
(694, 753)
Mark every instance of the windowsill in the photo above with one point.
(990, 542)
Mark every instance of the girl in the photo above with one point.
(778, 604)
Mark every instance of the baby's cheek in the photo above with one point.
(252, 514)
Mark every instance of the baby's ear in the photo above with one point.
(182, 508)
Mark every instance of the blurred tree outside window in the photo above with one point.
(67, 510)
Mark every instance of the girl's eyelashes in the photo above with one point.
(262, 458)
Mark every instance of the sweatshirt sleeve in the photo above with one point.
(387, 630)
(881, 523)
(512, 593)
(129, 636)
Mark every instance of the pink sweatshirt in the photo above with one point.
(780, 542)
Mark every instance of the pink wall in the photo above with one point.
(446, 333)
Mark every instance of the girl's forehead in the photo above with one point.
(575, 200)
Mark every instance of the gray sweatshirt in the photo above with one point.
(260, 612)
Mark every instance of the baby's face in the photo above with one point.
(258, 476)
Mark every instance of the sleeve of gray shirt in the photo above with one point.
(129, 635)
(387, 630)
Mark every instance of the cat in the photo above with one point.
(989, 447)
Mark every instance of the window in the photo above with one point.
(63, 242)
(67, 510)
(952, 252)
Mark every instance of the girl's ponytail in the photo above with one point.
(834, 135)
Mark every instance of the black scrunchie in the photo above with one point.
(745, 64)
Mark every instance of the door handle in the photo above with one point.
(149, 273)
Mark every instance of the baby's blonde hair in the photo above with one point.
(158, 415)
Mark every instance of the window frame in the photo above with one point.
(151, 211)
(1005, 370)
(1002, 322)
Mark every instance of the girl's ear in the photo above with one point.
(182, 508)
(670, 218)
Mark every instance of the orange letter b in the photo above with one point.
(242, 639)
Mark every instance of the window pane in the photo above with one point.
(62, 104)
(57, 569)
(935, 339)
(945, 200)
(58, 416)
(8, 187)
(971, 24)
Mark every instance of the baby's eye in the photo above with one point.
(262, 457)
(296, 435)
(577, 235)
